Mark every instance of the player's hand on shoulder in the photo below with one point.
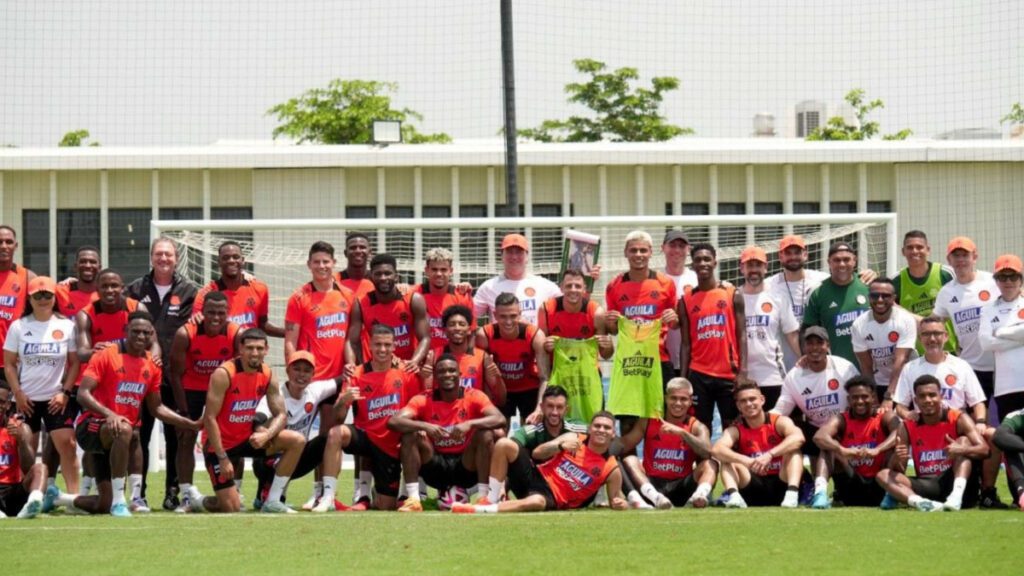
(464, 288)
(867, 275)
(196, 319)
(569, 442)
(535, 417)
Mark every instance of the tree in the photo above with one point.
(343, 113)
(1016, 115)
(621, 111)
(837, 129)
(75, 139)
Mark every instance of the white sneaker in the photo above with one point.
(31, 509)
(698, 500)
(72, 510)
(140, 506)
(276, 507)
(601, 499)
(663, 502)
(951, 505)
(313, 502)
(790, 500)
(735, 501)
(323, 505)
(185, 505)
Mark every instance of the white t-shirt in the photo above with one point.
(882, 340)
(960, 386)
(795, 294)
(302, 411)
(673, 339)
(1008, 346)
(820, 395)
(532, 291)
(962, 303)
(42, 349)
(766, 319)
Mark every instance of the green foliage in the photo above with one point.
(343, 113)
(1016, 115)
(75, 139)
(622, 112)
(837, 129)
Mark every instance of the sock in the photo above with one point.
(86, 485)
(820, 484)
(51, 482)
(318, 489)
(634, 497)
(117, 484)
(703, 489)
(957, 493)
(649, 492)
(362, 490)
(68, 499)
(730, 491)
(495, 488)
(791, 488)
(328, 488)
(185, 490)
(482, 489)
(412, 490)
(422, 486)
(238, 485)
(35, 496)
(277, 487)
(135, 482)
(487, 509)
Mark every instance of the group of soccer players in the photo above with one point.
(858, 373)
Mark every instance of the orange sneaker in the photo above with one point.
(340, 506)
(411, 505)
(361, 506)
(460, 508)
(485, 501)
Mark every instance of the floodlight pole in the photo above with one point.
(508, 75)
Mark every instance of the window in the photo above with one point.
(129, 241)
(75, 228)
(35, 247)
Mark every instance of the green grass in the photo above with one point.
(712, 541)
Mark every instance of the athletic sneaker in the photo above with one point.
(698, 500)
(806, 493)
(322, 505)
(120, 510)
(140, 506)
(790, 500)
(171, 500)
(888, 503)
(72, 510)
(820, 501)
(411, 505)
(663, 502)
(311, 503)
(734, 500)
(361, 506)
(276, 507)
(952, 505)
(2, 515)
(30, 510)
(340, 506)
(926, 505)
(50, 498)
(485, 501)
(453, 495)
(463, 509)
(990, 500)
(185, 506)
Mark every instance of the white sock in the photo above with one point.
(363, 486)
(820, 484)
(487, 509)
(185, 489)
(913, 500)
(495, 487)
(86, 485)
(35, 496)
(66, 499)
(957, 493)
(117, 484)
(51, 482)
(135, 482)
(482, 489)
(412, 490)
(328, 488)
(634, 497)
(649, 492)
(277, 488)
(703, 489)
(318, 489)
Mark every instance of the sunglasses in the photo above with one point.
(880, 296)
(933, 334)
(1006, 277)
(42, 295)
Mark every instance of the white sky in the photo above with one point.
(191, 72)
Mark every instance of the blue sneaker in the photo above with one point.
(806, 493)
(888, 503)
(721, 500)
(820, 501)
(120, 510)
(49, 498)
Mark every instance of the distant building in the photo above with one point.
(809, 115)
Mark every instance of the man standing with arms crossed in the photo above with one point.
(1002, 333)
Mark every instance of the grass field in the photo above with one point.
(712, 541)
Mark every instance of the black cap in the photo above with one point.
(817, 332)
(840, 247)
(675, 235)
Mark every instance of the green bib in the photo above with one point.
(574, 367)
(636, 378)
(920, 299)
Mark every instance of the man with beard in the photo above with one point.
(439, 293)
(1002, 333)
(574, 315)
(248, 298)
(884, 339)
(838, 301)
(406, 315)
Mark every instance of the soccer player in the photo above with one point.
(759, 454)
(236, 388)
(574, 315)
(477, 369)
(676, 248)
(22, 480)
(766, 318)
(518, 349)
(531, 290)
(918, 285)
(301, 397)
(854, 446)
(14, 281)
(406, 315)
(248, 298)
(168, 297)
(643, 295)
(198, 350)
(576, 466)
(961, 301)
(439, 293)
(942, 441)
(838, 301)
(1002, 333)
(377, 390)
(1009, 438)
(118, 383)
(677, 468)
(447, 437)
(884, 339)
(356, 274)
(83, 289)
(713, 351)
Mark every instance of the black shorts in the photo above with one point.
(857, 490)
(678, 490)
(41, 416)
(195, 401)
(938, 488)
(312, 456)
(87, 434)
(987, 379)
(1009, 403)
(525, 479)
(709, 391)
(764, 490)
(446, 470)
(525, 402)
(235, 455)
(386, 469)
(12, 497)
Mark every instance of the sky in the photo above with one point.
(192, 72)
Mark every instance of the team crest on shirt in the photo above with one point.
(472, 371)
(403, 317)
(861, 299)
(773, 438)
(436, 417)
(261, 390)
(175, 301)
(695, 310)
(766, 307)
(984, 295)
(145, 374)
(224, 351)
(308, 407)
(950, 380)
(585, 330)
(524, 355)
(1020, 313)
(595, 471)
(463, 414)
(833, 384)
(368, 388)
(250, 302)
(530, 292)
(58, 334)
(195, 351)
(894, 336)
(15, 287)
(654, 294)
(721, 304)
(396, 383)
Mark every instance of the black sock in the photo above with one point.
(792, 488)
(730, 491)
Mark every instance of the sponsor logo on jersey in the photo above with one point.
(758, 321)
(638, 310)
(819, 402)
(847, 317)
(206, 366)
(42, 348)
(670, 454)
(8, 301)
(528, 304)
(576, 477)
(967, 315)
(243, 319)
(711, 320)
(244, 405)
(512, 370)
(5, 460)
(336, 319)
(131, 388)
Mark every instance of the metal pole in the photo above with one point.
(508, 76)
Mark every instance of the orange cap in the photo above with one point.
(753, 253)
(1008, 262)
(792, 240)
(961, 243)
(515, 240)
(302, 355)
(42, 284)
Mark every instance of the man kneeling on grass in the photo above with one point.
(579, 466)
